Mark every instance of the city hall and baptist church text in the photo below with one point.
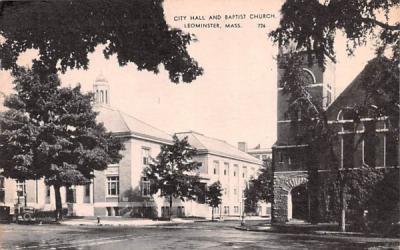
(196, 21)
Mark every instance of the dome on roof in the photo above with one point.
(101, 78)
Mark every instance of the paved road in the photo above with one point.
(201, 235)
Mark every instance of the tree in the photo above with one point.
(265, 181)
(260, 188)
(312, 25)
(379, 83)
(251, 197)
(213, 196)
(51, 132)
(173, 172)
(65, 32)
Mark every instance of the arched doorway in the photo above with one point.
(299, 199)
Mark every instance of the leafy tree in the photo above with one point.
(65, 32)
(265, 181)
(251, 197)
(260, 188)
(173, 172)
(213, 196)
(379, 85)
(51, 132)
(312, 25)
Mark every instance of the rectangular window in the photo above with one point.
(244, 173)
(216, 167)
(87, 190)
(235, 170)
(2, 190)
(236, 209)
(145, 187)
(226, 191)
(47, 199)
(226, 168)
(146, 156)
(113, 185)
(71, 194)
(370, 143)
(348, 150)
(392, 150)
(21, 188)
(226, 209)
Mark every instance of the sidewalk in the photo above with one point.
(319, 230)
(107, 221)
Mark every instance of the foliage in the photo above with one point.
(173, 171)
(384, 201)
(51, 132)
(213, 194)
(260, 188)
(251, 197)
(65, 32)
(312, 25)
(378, 90)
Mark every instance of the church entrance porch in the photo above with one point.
(291, 199)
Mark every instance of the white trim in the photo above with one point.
(307, 86)
(315, 85)
(363, 151)
(292, 146)
(283, 172)
(382, 118)
(341, 152)
(381, 130)
(312, 75)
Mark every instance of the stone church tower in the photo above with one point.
(101, 89)
(291, 198)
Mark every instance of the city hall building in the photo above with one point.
(121, 189)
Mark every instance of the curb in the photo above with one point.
(116, 224)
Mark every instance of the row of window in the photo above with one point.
(21, 191)
(113, 186)
(235, 170)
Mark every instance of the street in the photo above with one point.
(199, 235)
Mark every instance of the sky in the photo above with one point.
(234, 100)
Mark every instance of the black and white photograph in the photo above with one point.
(184, 124)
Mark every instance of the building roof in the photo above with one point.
(118, 122)
(355, 92)
(216, 146)
(259, 151)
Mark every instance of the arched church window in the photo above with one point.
(348, 138)
(392, 148)
(101, 96)
(370, 143)
(307, 77)
(106, 96)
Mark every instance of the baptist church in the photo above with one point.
(121, 189)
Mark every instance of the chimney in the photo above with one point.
(242, 146)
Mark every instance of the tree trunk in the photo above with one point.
(342, 222)
(170, 207)
(212, 213)
(58, 213)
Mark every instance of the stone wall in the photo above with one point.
(284, 182)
